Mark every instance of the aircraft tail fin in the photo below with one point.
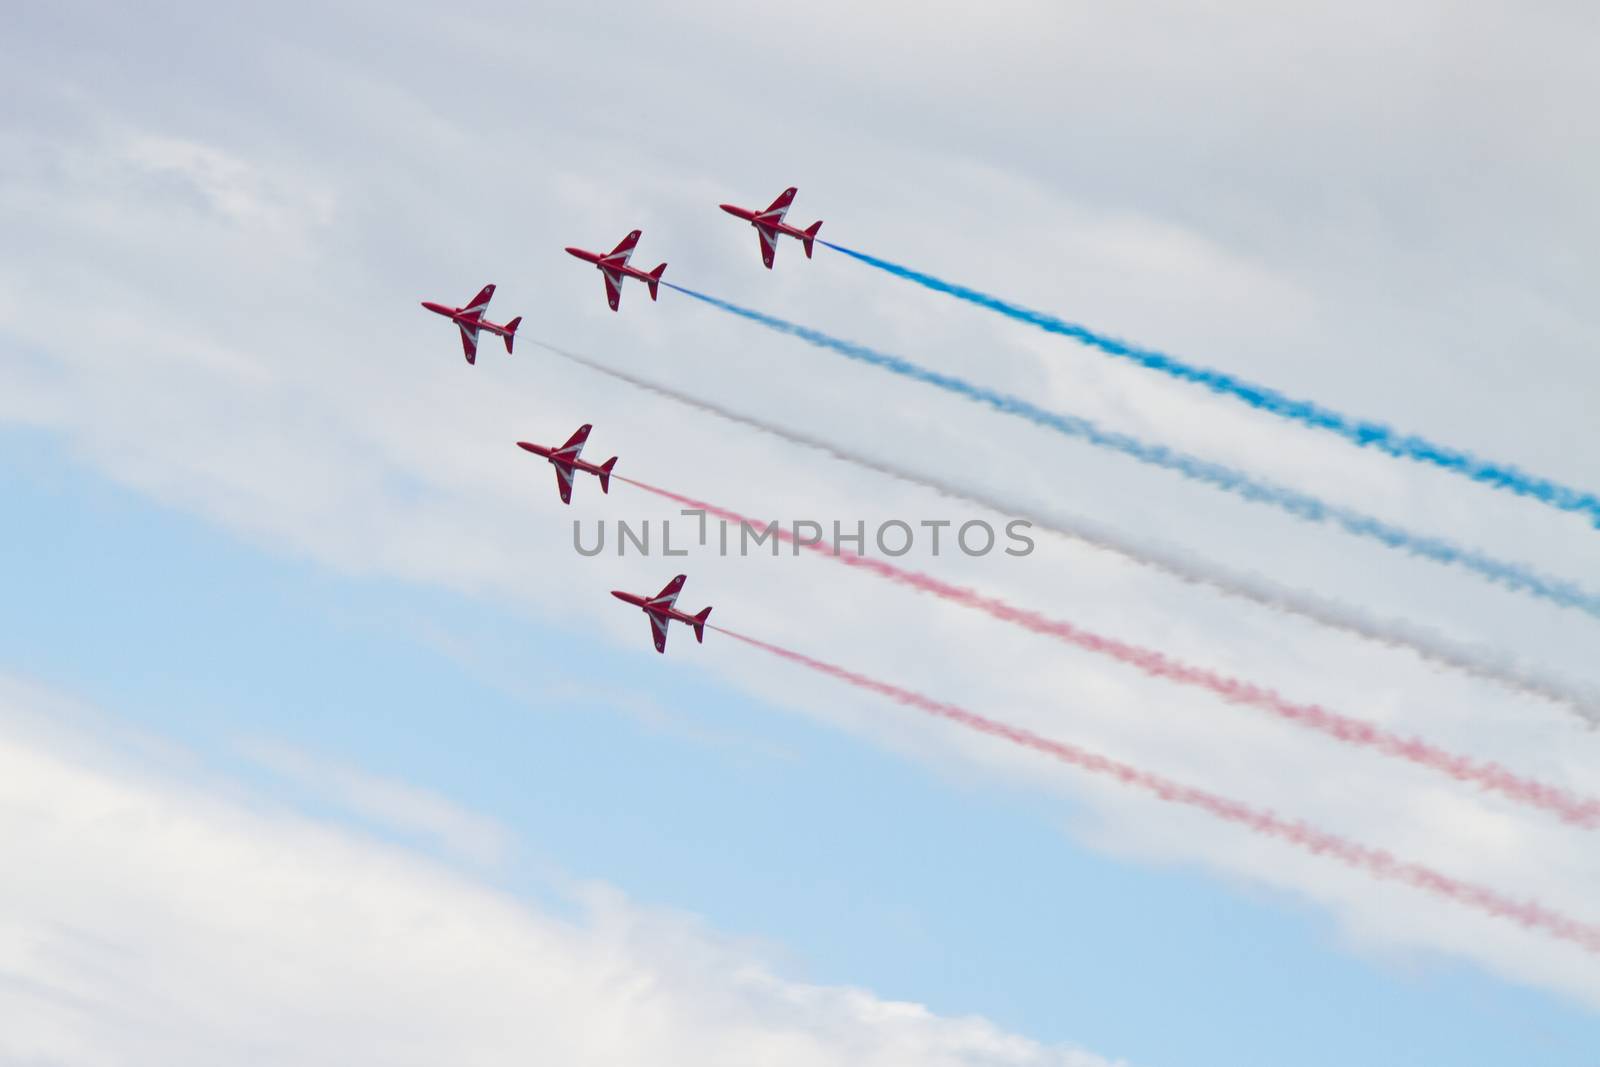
(700, 625)
(605, 474)
(511, 332)
(655, 279)
(811, 235)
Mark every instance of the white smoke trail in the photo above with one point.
(1473, 660)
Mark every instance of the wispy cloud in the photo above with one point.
(146, 920)
(397, 805)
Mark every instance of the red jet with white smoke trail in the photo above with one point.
(1475, 661)
(661, 609)
(769, 224)
(470, 319)
(565, 460)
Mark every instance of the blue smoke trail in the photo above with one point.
(1301, 505)
(1364, 434)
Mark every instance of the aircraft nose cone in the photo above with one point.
(620, 595)
(526, 447)
(571, 251)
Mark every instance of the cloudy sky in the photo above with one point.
(317, 735)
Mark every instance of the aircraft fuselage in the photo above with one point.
(614, 264)
(460, 317)
(660, 610)
(754, 218)
(554, 457)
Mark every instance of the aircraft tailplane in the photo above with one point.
(700, 625)
(605, 474)
(511, 332)
(811, 235)
(655, 279)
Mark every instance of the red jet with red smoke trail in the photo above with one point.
(769, 224)
(470, 320)
(566, 462)
(614, 266)
(661, 610)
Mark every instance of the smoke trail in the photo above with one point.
(1582, 811)
(1372, 861)
(1301, 505)
(1364, 434)
(1482, 663)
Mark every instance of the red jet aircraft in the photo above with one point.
(470, 319)
(661, 611)
(614, 265)
(769, 224)
(565, 460)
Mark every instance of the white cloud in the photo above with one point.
(149, 919)
(395, 804)
(226, 184)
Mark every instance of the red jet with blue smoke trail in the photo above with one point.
(566, 462)
(661, 609)
(769, 224)
(470, 320)
(614, 266)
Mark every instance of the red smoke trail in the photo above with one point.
(1580, 810)
(1376, 862)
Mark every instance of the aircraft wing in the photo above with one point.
(613, 288)
(769, 244)
(669, 592)
(564, 481)
(780, 207)
(480, 303)
(625, 246)
(574, 443)
(469, 342)
(658, 630)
